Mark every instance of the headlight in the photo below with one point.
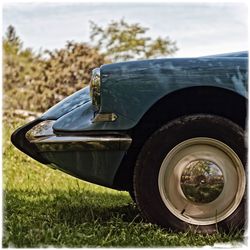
(95, 88)
(41, 130)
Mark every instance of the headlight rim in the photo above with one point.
(95, 88)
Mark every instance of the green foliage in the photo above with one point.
(38, 81)
(44, 207)
(122, 41)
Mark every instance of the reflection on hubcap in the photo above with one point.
(202, 181)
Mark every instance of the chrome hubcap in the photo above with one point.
(201, 181)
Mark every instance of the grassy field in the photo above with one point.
(44, 207)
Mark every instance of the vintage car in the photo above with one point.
(171, 132)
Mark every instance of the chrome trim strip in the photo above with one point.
(43, 137)
(105, 117)
(82, 143)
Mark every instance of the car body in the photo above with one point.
(97, 133)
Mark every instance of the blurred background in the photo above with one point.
(49, 49)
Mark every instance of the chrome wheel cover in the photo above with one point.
(230, 175)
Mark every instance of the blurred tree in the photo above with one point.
(11, 42)
(36, 82)
(122, 41)
(18, 63)
(69, 69)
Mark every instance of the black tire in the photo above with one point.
(158, 147)
(132, 195)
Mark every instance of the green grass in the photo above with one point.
(44, 207)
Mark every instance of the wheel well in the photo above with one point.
(193, 100)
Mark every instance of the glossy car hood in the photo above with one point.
(67, 105)
(129, 89)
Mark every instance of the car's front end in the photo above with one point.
(170, 131)
(91, 155)
(88, 133)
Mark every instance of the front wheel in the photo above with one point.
(190, 174)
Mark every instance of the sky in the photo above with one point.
(198, 28)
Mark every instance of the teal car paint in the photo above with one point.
(136, 86)
(151, 80)
(73, 121)
(80, 146)
(67, 105)
(96, 166)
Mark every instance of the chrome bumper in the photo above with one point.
(43, 137)
(94, 158)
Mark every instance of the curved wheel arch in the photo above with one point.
(198, 99)
(192, 100)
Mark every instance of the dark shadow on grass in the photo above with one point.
(84, 218)
(72, 207)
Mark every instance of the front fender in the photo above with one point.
(67, 105)
(130, 89)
